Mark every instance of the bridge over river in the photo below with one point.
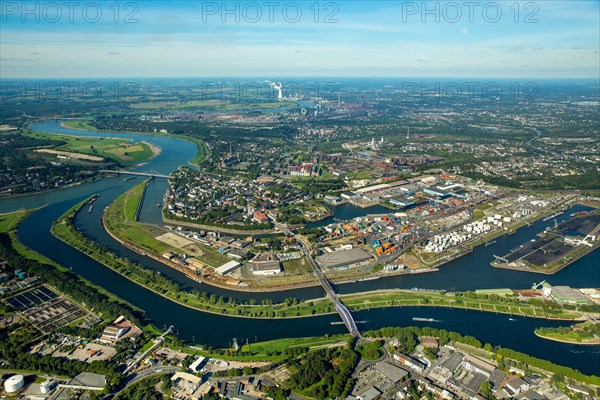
(150, 174)
(339, 306)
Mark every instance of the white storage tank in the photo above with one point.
(14, 383)
(46, 386)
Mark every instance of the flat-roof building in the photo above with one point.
(390, 371)
(437, 191)
(372, 189)
(409, 362)
(401, 201)
(343, 258)
(227, 267)
(197, 365)
(265, 264)
(369, 394)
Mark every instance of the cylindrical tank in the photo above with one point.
(14, 383)
(46, 387)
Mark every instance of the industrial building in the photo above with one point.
(344, 259)
(437, 191)
(119, 329)
(390, 371)
(197, 365)
(402, 201)
(265, 264)
(227, 267)
(563, 294)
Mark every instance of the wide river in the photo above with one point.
(469, 272)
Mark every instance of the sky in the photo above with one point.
(106, 39)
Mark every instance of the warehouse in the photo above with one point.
(373, 189)
(228, 267)
(265, 264)
(344, 259)
(401, 201)
(437, 191)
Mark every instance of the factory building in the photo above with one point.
(402, 201)
(227, 268)
(265, 264)
(437, 191)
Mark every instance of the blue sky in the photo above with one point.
(363, 38)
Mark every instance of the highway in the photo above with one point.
(339, 306)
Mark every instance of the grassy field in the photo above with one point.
(584, 333)
(274, 350)
(132, 200)
(9, 221)
(202, 150)
(280, 345)
(120, 220)
(370, 350)
(361, 301)
(79, 124)
(120, 150)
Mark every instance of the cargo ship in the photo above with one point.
(372, 278)
(423, 271)
(93, 199)
(556, 214)
(91, 209)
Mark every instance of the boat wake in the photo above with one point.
(425, 319)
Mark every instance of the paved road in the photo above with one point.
(138, 376)
(157, 343)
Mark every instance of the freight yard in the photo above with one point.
(447, 224)
(556, 247)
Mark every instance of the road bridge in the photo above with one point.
(339, 306)
(147, 174)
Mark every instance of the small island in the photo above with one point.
(587, 333)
